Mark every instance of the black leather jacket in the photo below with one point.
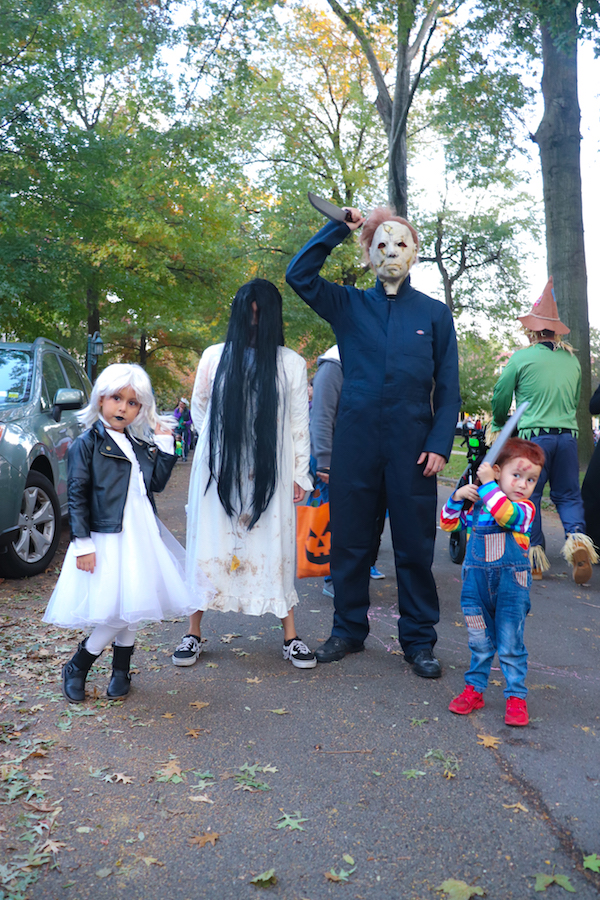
(99, 478)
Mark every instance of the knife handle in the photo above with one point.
(348, 216)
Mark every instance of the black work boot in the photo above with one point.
(120, 681)
(75, 672)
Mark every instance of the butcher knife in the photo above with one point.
(329, 209)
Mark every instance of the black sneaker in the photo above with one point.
(187, 652)
(299, 655)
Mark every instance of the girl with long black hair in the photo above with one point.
(250, 409)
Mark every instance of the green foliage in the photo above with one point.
(595, 356)
(478, 361)
(592, 862)
(108, 219)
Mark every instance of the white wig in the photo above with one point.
(116, 378)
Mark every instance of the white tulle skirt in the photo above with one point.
(139, 577)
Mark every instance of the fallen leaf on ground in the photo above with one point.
(488, 741)
(292, 821)
(460, 890)
(518, 807)
(200, 798)
(342, 875)
(193, 733)
(201, 840)
(227, 638)
(256, 680)
(543, 881)
(592, 862)
(172, 769)
(199, 704)
(280, 712)
(168, 716)
(41, 775)
(152, 861)
(52, 846)
(265, 879)
(124, 779)
(103, 873)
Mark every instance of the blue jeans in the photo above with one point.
(562, 470)
(495, 603)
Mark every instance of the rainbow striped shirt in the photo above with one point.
(515, 517)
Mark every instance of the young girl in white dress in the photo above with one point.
(250, 409)
(118, 571)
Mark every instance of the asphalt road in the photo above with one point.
(362, 756)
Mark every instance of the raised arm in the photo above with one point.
(303, 276)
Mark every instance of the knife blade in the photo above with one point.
(329, 209)
(494, 451)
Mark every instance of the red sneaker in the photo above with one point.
(466, 702)
(516, 711)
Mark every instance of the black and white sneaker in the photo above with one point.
(298, 654)
(187, 652)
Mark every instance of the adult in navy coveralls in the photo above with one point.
(398, 410)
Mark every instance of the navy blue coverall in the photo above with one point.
(400, 398)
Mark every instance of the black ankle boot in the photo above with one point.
(75, 672)
(120, 681)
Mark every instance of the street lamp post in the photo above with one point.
(95, 348)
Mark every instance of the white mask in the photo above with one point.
(393, 251)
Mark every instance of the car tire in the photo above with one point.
(39, 530)
(458, 546)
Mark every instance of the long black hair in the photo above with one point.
(243, 413)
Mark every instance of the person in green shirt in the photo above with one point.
(548, 375)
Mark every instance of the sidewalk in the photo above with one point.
(349, 779)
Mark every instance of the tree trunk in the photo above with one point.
(558, 138)
(143, 350)
(93, 325)
(398, 157)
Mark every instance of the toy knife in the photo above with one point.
(494, 451)
(329, 209)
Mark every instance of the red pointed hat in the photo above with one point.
(544, 314)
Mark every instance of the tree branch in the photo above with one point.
(384, 101)
(429, 20)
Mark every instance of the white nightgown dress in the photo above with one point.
(137, 578)
(252, 571)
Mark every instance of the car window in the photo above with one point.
(15, 376)
(52, 375)
(75, 379)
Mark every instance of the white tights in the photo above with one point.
(102, 635)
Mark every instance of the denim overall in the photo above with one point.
(495, 602)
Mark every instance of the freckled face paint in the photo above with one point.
(392, 253)
(517, 478)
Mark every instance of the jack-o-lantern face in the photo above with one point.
(318, 547)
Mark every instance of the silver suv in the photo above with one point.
(41, 386)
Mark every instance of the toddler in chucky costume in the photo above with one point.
(497, 572)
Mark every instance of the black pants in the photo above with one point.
(380, 453)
